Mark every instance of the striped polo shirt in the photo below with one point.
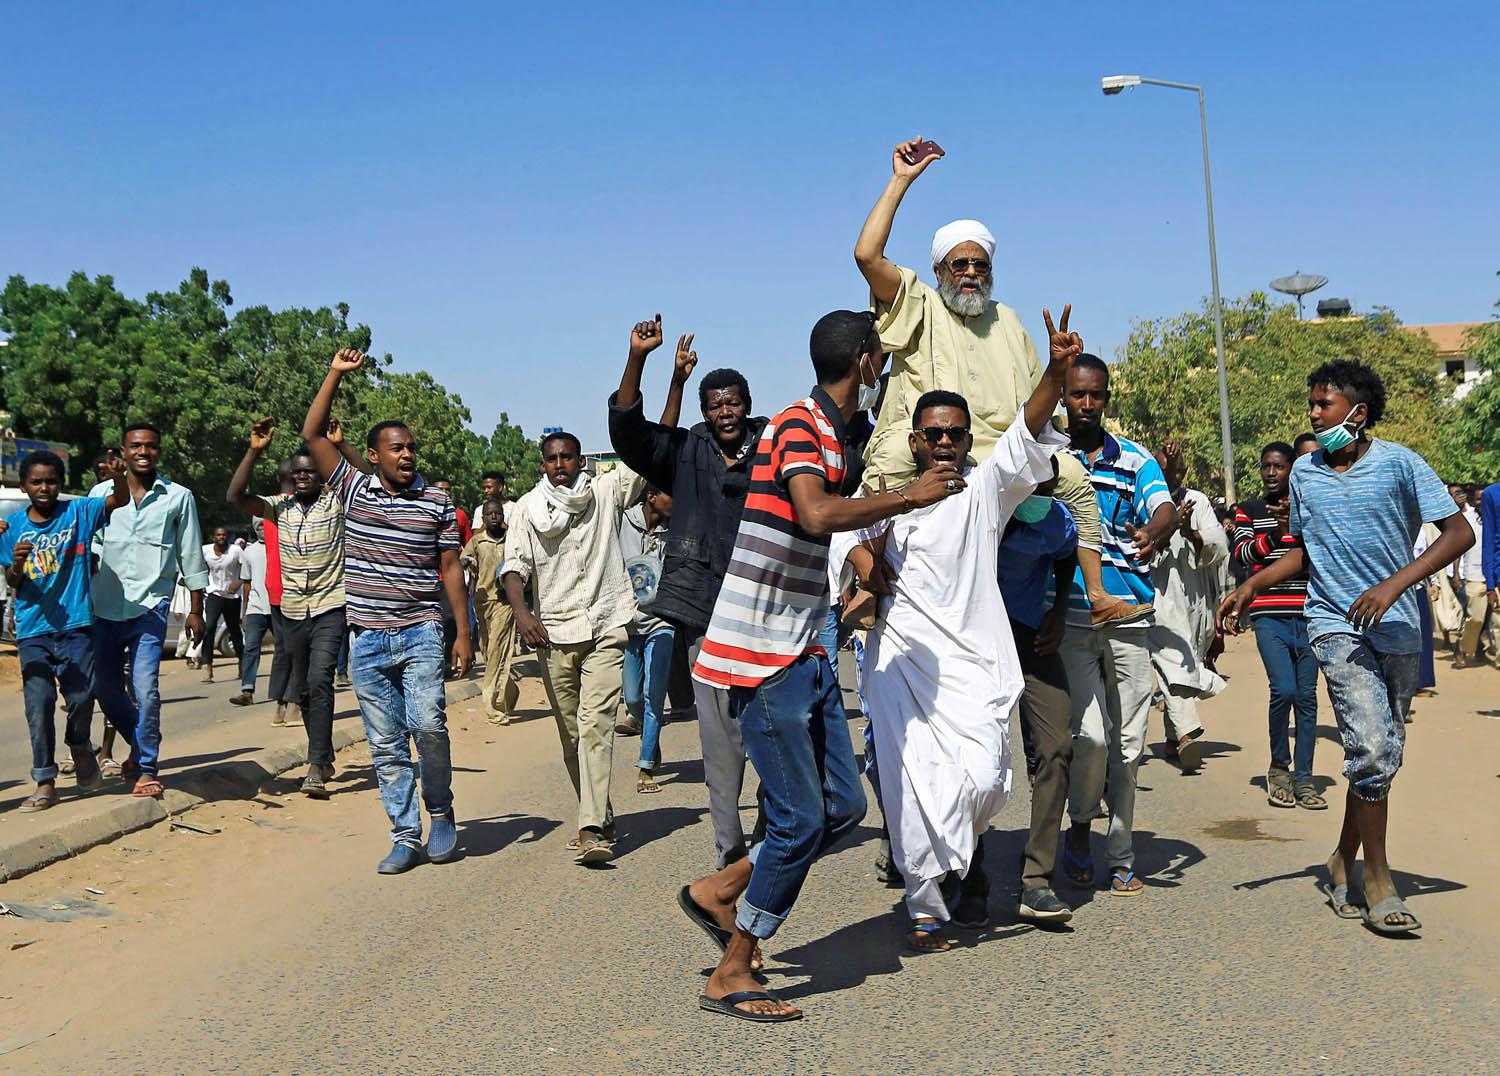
(310, 541)
(391, 547)
(774, 600)
(1257, 545)
(1129, 487)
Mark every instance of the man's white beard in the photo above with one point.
(966, 304)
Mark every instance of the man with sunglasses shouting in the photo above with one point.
(941, 669)
(957, 338)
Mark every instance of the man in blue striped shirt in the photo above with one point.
(1109, 667)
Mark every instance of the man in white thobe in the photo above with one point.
(941, 671)
(1187, 577)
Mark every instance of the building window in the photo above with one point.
(1454, 369)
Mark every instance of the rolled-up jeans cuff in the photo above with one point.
(753, 920)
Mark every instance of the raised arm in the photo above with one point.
(315, 427)
(682, 369)
(869, 249)
(645, 338)
(1063, 347)
(348, 451)
(237, 494)
(119, 493)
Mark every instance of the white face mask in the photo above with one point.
(869, 395)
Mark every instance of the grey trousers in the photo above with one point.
(723, 761)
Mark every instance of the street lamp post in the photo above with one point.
(1113, 84)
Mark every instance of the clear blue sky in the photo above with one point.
(501, 192)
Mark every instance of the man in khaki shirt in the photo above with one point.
(563, 536)
(483, 558)
(955, 337)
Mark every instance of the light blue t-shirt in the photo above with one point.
(54, 594)
(1358, 528)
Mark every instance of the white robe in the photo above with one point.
(941, 674)
(1187, 598)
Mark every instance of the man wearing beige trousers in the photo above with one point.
(563, 537)
(484, 558)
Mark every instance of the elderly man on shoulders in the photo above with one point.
(956, 338)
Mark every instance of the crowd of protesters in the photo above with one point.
(952, 511)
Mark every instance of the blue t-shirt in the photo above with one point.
(1129, 487)
(1027, 554)
(54, 594)
(1358, 528)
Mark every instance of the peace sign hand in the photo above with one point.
(686, 360)
(645, 338)
(1063, 346)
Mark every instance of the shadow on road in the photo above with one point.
(841, 960)
(640, 828)
(1409, 884)
(486, 836)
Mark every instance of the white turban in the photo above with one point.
(961, 231)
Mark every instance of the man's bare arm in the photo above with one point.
(820, 512)
(315, 427)
(236, 495)
(869, 249)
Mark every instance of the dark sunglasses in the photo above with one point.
(961, 265)
(934, 434)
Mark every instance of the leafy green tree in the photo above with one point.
(1166, 384)
(84, 360)
(1473, 450)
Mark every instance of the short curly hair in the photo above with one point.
(1356, 382)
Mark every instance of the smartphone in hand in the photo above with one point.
(922, 150)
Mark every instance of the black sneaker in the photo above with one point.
(1043, 906)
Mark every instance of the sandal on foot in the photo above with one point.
(1079, 869)
(1123, 882)
(932, 931)
(148, 787)
(109, 767)
(645, 783)
(728, 1005)
(699, 915)
(1345, 905)
(1308, 798)
(38, 801)
(1375, 917)
(1279, 792)
(594, 849)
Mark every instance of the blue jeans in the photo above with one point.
(1371, 694)
(1427, 672)
(341, 667)
(137, 644)
(62, 659)
(648, 667)
(256, 626)
(398, 679)
(1292, 669)
(797, 735)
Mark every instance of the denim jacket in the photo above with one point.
(707, 501)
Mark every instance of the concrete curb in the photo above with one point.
(118, 815)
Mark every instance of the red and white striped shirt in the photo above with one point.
(774, 601)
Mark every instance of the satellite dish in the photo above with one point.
(1298, 284)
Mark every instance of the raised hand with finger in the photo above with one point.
(1063, 346)
(261, 432)
(686, 359)
(645, 338)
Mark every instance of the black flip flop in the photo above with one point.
(726, 1006)
(705, 922)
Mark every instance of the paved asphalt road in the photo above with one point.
(274, 947)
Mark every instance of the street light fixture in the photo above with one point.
(1111, 85)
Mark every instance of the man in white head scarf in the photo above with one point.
(959, 339)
